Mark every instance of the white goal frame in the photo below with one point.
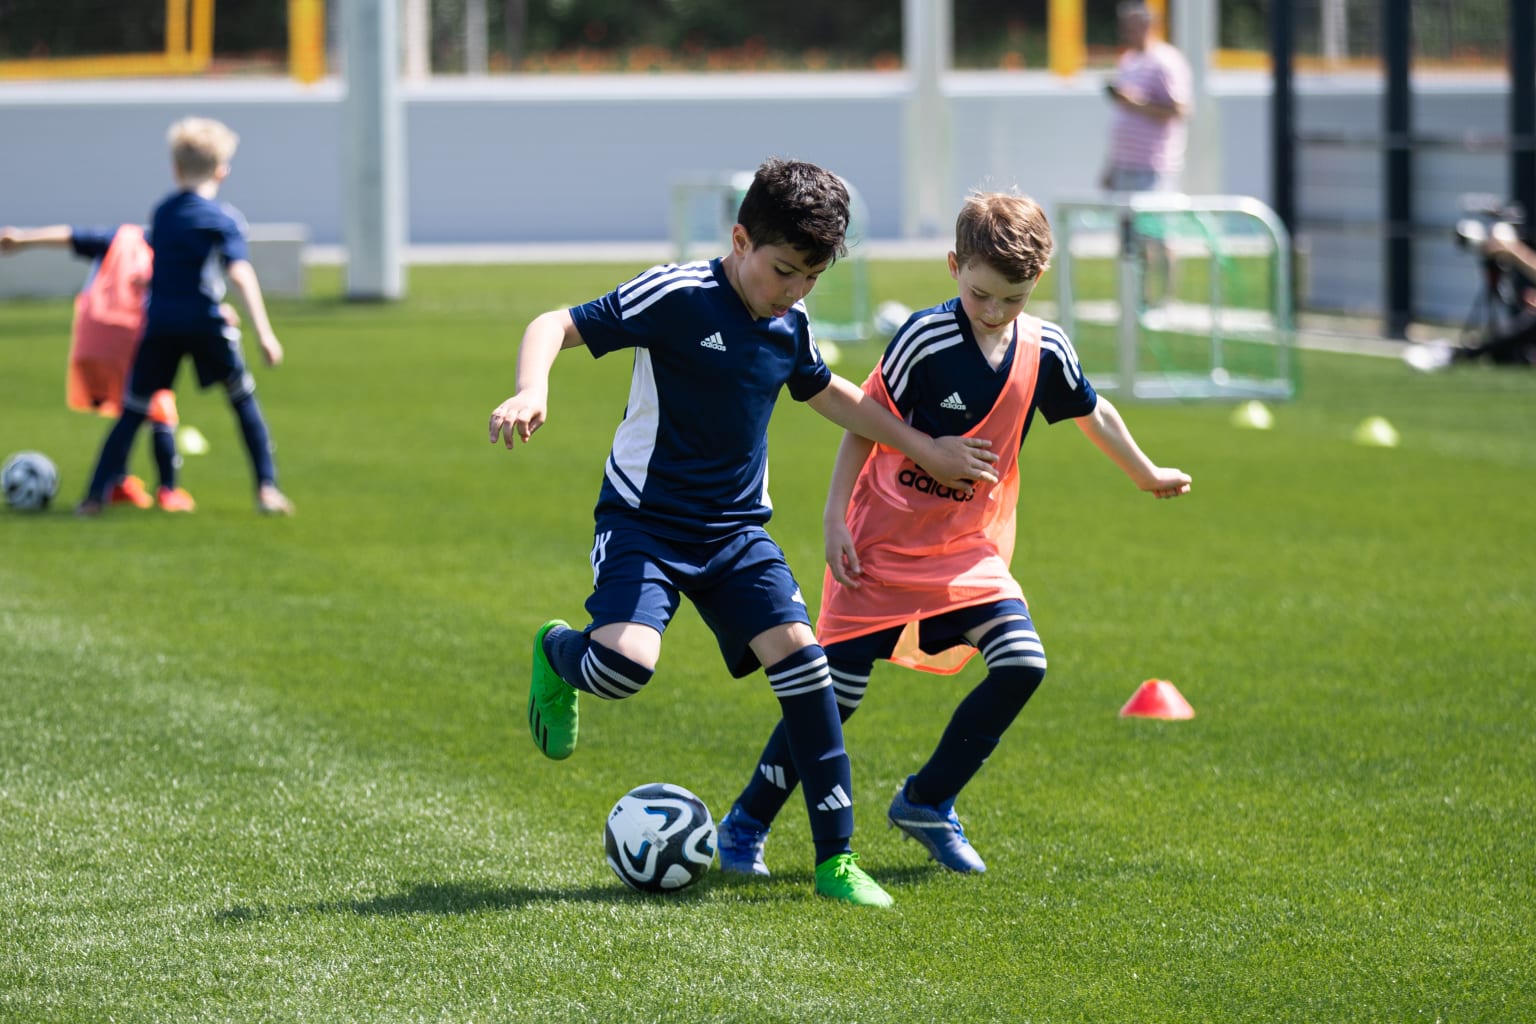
(1090, 227)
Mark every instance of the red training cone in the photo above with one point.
(1157, 698)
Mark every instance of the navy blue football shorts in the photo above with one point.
(741, 585)
(215, 354)
(934, 634)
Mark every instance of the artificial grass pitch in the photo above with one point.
(256, 769)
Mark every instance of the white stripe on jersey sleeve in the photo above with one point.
(1055, 339)
(909, 336)
(940, 333)
(638, 295)
(810, 335)
(642, 283)
(815, 348)
(635, 441)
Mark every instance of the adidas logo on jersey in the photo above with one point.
(920, 481)
(715, 342)
(836, 800)
(954, 403)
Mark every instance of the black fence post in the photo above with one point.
(1282, 124)
(1397, 149)
(1522, 106)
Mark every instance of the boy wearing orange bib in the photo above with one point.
(918, 573)
(109, 318)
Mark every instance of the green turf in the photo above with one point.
(258, 769)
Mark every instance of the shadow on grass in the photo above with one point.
(447, 898)
(438, 898)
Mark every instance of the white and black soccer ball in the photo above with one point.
(30, 480)
(659, 838)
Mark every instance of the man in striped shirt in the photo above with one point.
(1147, 128)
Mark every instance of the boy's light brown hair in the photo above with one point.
(1007, 231)
(199, 146)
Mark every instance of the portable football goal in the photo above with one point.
(1221, 326)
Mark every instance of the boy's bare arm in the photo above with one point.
(243, 276)
(1107, 430)
(545, 338)
(842, 559)
(953, 461)
(17, 239)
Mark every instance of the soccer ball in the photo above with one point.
(659, 838)
(30, 481)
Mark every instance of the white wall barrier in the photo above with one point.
(553, 159)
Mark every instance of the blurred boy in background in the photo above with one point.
(193, 237)
(109, 320)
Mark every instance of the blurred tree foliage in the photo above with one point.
(64, 28)
(724, 34)
(839, 33)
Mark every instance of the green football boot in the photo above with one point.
(840, 878)
(551, 703)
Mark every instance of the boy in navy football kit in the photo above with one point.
(684, 498)
(108, 321)
(919, 574)
(194, 238)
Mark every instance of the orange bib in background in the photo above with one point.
(109, 317)
(924, 548)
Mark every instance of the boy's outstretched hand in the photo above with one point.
(517, 418)
(1167, 483)
(960, 462)
(271, 350)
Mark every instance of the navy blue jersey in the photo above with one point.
(91, 243)
(690, 459)
(194, 239)
(941, 382)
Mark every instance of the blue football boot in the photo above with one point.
(937, 828)
(740, 843)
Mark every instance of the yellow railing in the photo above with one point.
(188, 51)
(188, 48)
(306, 40)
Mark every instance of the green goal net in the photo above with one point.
(1178, 297)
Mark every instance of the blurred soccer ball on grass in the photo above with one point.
(30, 480)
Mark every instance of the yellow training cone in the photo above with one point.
(1376, 432)
(191, 440)
(1253, 415)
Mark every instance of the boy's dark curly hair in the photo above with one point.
(798, 204)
